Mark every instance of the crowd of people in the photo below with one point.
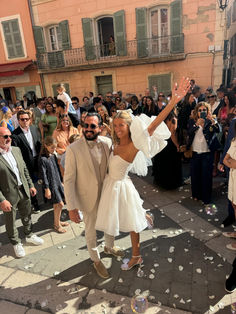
(82, 154)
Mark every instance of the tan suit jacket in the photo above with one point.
(80, 180)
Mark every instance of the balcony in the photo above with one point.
(153, 50)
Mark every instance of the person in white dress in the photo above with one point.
(120, 207)
(230, 162)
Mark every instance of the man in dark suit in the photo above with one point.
(78, 108)
(27, 138)
(16, 187)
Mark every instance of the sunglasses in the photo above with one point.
(200, 110)
(91, 126)
(24, 119)
(74, 103)
(6, 136)
(161, 96)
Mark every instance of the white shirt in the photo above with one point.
(42, 110)
(78, 113)
(216, 104)
(199, 143)
(10, 159)
(30, 140)
(66, 98)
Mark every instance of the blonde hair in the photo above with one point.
(200, 104)
(59, 127)
(120, 115)
(61, 87)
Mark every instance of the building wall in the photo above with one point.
(203, 27)
(30, 80)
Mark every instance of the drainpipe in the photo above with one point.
(33, 23)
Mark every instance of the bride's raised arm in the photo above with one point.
(178, 92)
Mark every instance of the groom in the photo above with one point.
(85, 169)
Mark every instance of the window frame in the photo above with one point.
(158, 7)
(149, 28)
(48, 38)
(9, 18)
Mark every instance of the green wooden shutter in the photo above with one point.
(13, 39)
(120, 33)
(88, 38)
(39, 39)
(65, 34)
(56, 59)
(226, 43)
(141, 32)
(177, 39)
(162, 81)
(54, 90)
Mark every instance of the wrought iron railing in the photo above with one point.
(129, 50)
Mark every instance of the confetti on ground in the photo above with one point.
(169, 260)
(182, 301)
(56, 273)
(212, 309)
(198, 270)
(211, 297)
(171, 249)
(137, 292)
(167, 291)
(152, 271)
(120, 280)
(176, 296)
(92, 291)
(186, 250)
(156, 265)
(154, 249)
(48, 287)
(189, 300)
(151, 276)
(181, 268)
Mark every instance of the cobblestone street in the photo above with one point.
(185, 262)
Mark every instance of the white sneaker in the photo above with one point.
(19, 250)
(34, 239)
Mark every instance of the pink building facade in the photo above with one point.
(101, 46)
(18, 71)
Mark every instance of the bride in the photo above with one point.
(120, 207)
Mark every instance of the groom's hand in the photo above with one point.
(74, 216)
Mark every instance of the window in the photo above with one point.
(159, 30)
(162, 81)
(12, 38)
(55, 38)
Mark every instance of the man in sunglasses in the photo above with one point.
(15, 189)
(27, 138)
(85, 170)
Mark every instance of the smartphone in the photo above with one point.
(203, 115)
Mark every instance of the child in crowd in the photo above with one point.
(52, 180)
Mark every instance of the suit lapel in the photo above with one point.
(7, 164)
(34, 136)
(22, 135)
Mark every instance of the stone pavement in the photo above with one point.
(185, 263)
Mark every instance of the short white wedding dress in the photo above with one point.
(120, 207)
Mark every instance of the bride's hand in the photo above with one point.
(179, 91)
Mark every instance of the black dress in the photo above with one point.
(167, 167)
(51, 176)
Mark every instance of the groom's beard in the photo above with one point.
(90, 135)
